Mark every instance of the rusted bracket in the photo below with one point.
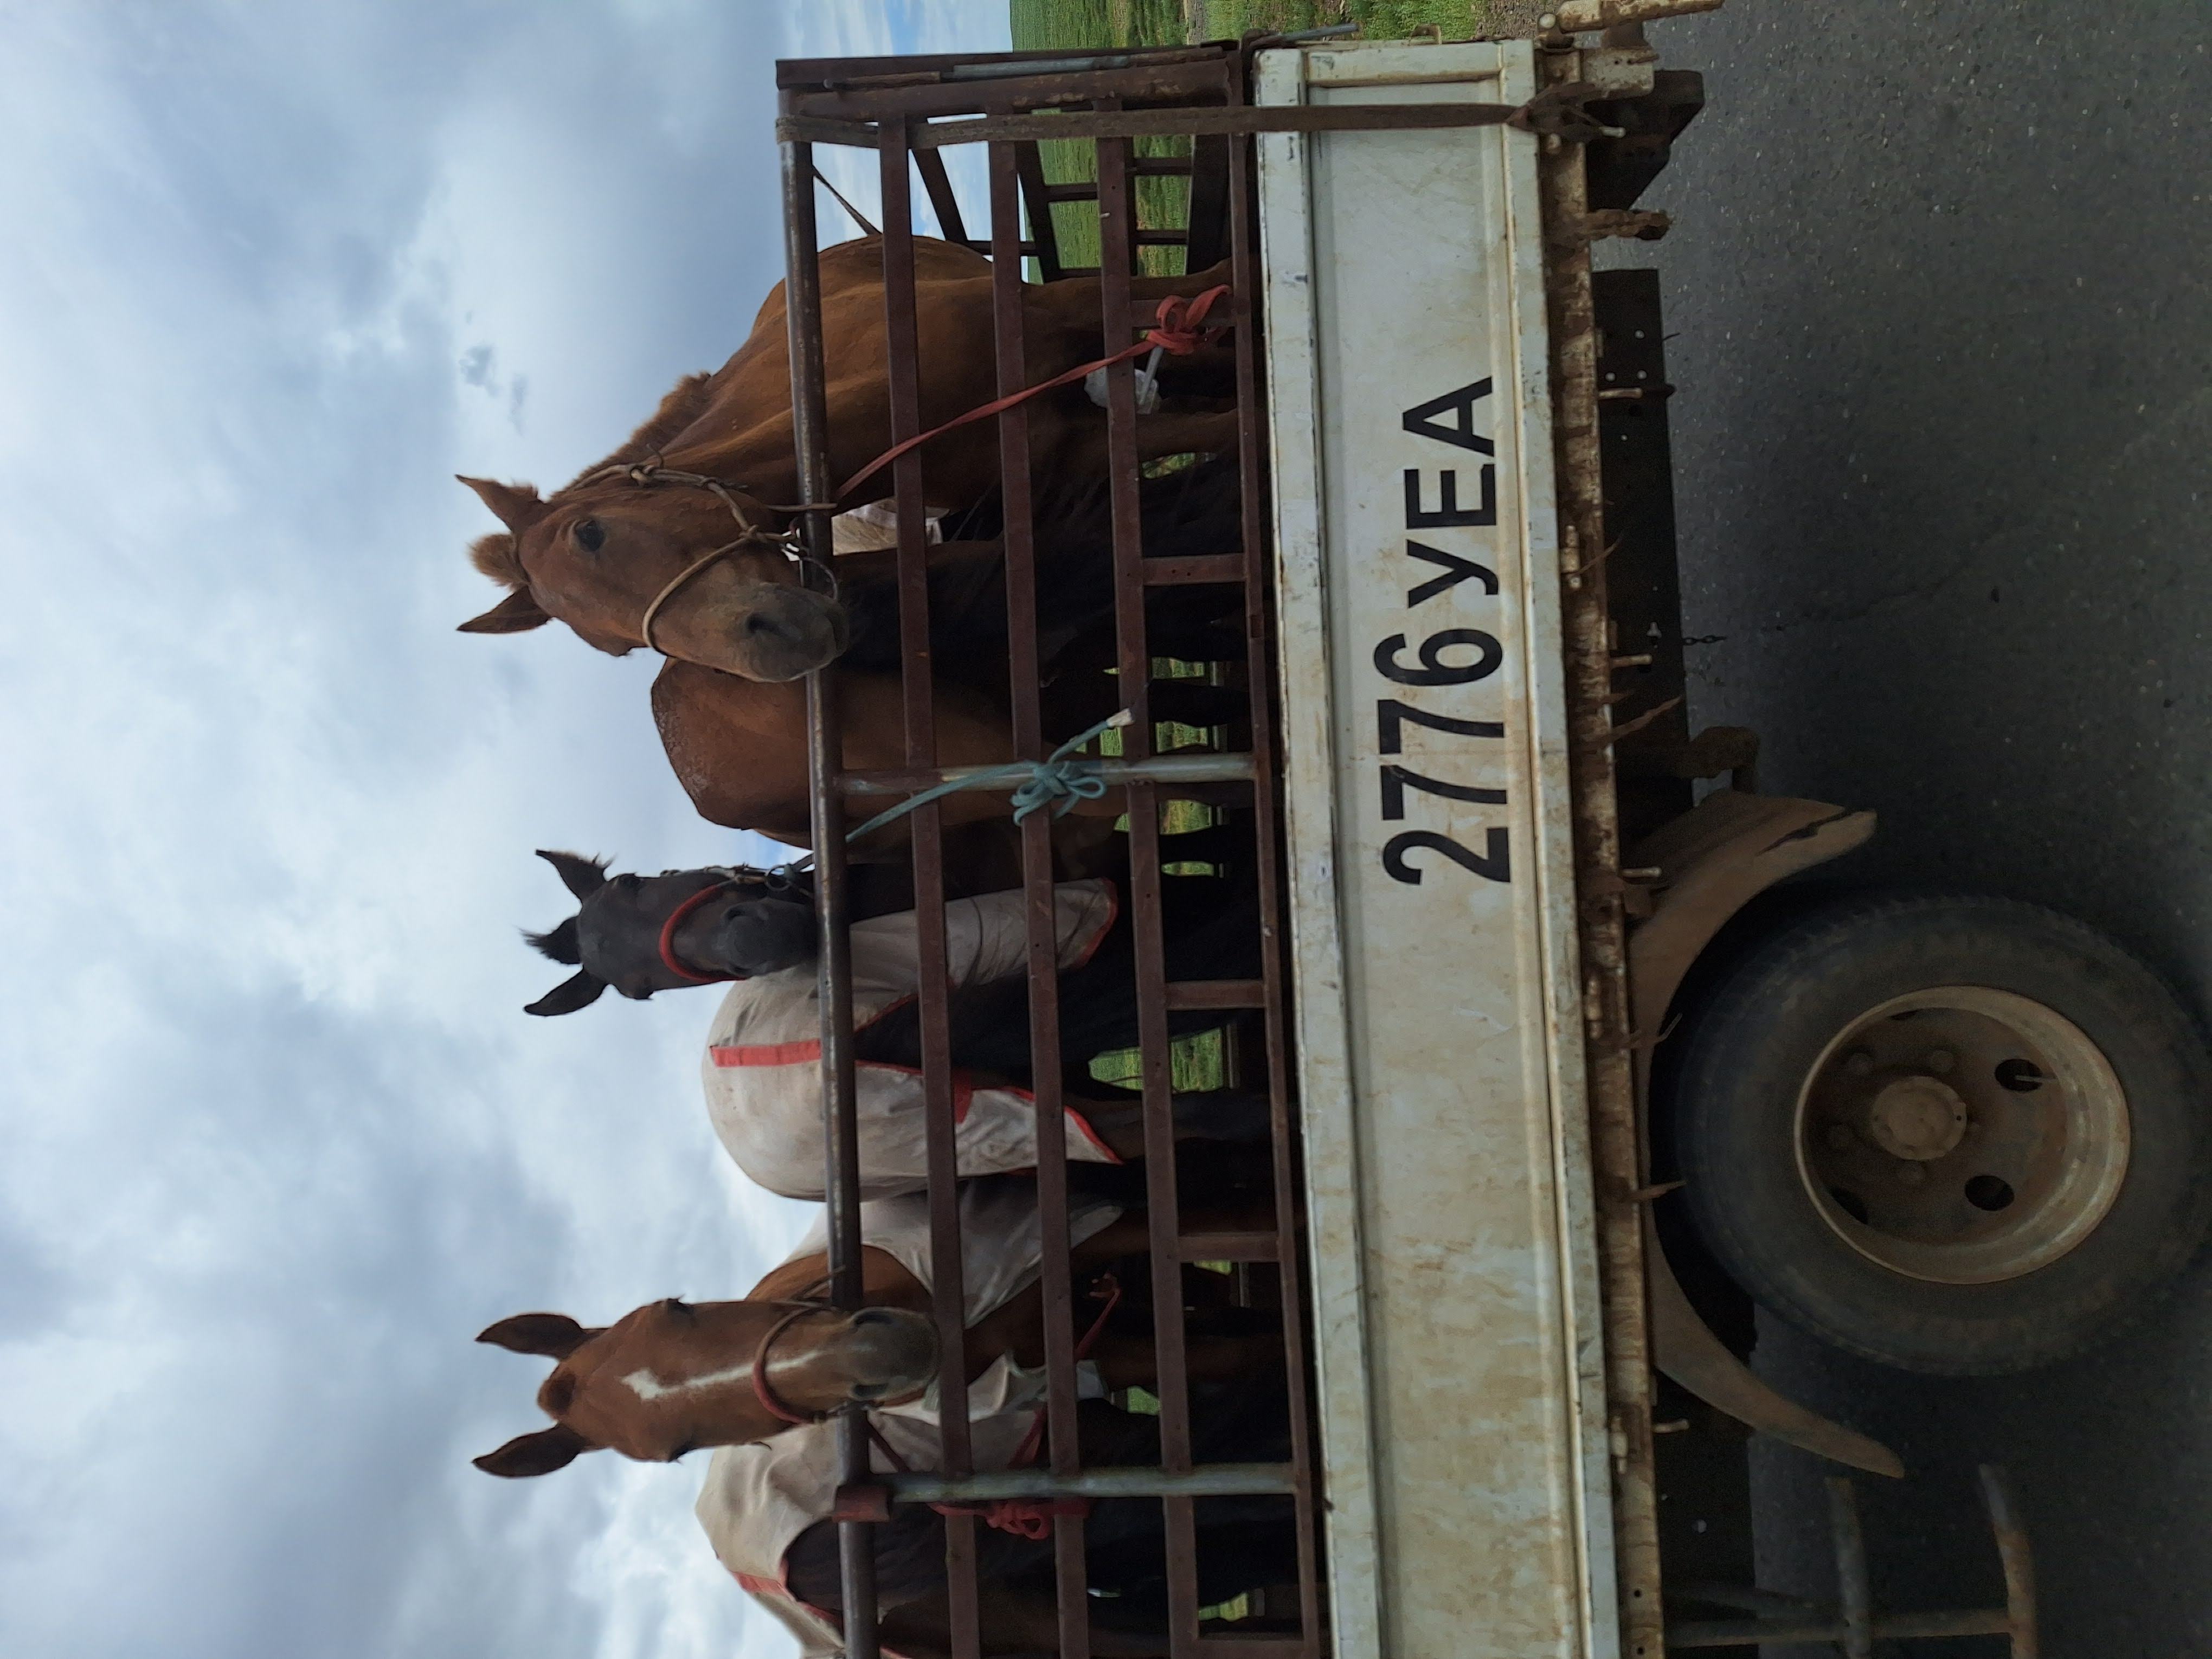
(1630, 728)
(862, 1501)
(1717, 857)
(1636, 224)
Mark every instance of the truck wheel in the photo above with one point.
(1956, 1135)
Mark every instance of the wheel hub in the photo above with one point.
(1920, 1118)
(1962, 1134)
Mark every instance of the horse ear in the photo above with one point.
(541, 1453)
(555, 1336)
(581, 876)
(517, 613)
(559, 945)
(515, 505)
(579, 990)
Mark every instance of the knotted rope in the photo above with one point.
(1058, 782)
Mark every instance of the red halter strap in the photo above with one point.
(762, 1389)
(668, 940)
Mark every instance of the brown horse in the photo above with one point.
(671, 1377)
(603, 553)
(738, 745)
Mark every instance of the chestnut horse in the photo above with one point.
(606, 554)
(672, 1376)
(738, 745)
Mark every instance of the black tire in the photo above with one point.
(1754, 1042)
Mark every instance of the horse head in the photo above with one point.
(671, 1377)
(642, 558)
(647, 934)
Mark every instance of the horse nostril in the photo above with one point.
(761, 623)
(873, 1316)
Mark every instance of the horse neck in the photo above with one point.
(884, 1281)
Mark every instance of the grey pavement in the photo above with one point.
(1941, 293)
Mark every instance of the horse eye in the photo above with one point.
(590, 535)
(629, 883)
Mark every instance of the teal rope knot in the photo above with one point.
(1058, 782)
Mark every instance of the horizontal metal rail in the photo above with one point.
(1207, 767)
(1151, 123)
(1112, 60)
(1207, 1480)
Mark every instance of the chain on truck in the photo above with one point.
(1562, 1072)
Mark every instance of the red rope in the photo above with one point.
(1177, 331)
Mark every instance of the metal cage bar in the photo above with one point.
(895, 103)
(1267, 806)
(918, 709)
(1063, 1450)
(825, 758)
(1116, 261)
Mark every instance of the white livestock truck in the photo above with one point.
(1569, 1073)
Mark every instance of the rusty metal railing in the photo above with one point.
(889, 104)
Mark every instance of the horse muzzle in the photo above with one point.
(888, 1353)
(775, 633)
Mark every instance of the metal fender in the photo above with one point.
(1708, 864)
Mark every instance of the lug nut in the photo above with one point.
(1940, 1060)
(1912, 1174)
(1859, 1063)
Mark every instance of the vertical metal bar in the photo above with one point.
(2018, 1559)
(1244, 275)
(1854, 1587)
(825, 760)
(1608, 1030)
(919, 704)
(1028, 166)
(1043, 964)
(1116, 239)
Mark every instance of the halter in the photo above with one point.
(763, 1390)
(668, 958)
(649, 473)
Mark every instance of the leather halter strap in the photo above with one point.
(668, 956)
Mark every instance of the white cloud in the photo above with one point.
(275, 1140)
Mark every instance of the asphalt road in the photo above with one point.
(1940, 304)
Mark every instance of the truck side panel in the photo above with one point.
(1459, 1363)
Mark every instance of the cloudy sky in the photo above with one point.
(275, 1140)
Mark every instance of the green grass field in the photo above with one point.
(1089, 25)
(1044, 24)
